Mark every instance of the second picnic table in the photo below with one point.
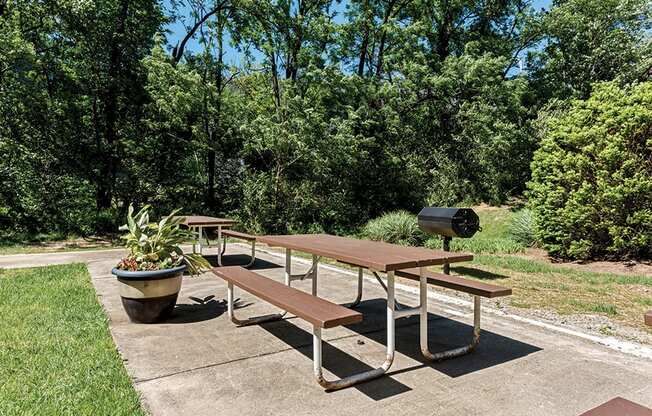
(198, 224)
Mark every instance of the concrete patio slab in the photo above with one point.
(199, 363)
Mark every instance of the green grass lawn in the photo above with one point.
(56, 352)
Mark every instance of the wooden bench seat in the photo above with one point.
(458, 283)
(239, 235)
(619, 407)
(317, 311)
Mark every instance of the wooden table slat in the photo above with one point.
(204, 221)
(374, 255)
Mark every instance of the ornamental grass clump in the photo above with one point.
(156, 246)
(399, 227)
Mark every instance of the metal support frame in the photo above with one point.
(423, 325)
(196, 246)
(249, 321)
(253, 253)
(367, 375)
(311, 274)
(399, 306)
(358, 298)
(392, 315)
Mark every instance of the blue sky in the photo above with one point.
(233, 57)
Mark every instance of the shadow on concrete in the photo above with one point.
(241, 260)
(477, 273)
(203, 309)
(337, 361)
(443, 334)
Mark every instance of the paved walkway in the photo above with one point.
(199, 363)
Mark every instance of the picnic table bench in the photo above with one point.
(409, 262)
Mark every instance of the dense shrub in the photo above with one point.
(591, 187)
(399, 227)
(521, 227)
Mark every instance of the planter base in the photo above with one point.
(149, 310)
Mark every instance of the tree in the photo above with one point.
(589, 41)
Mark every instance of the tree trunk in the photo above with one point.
(383, 38)
(215, 137)
(106, 181)
(445, 33)
(365, 42)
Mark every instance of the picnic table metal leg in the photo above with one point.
(196, 245)
(367, 375)
(358, 298)
(253, 254)
(314, 269)
(249, 321)
(288, 267)
(252, 259)
(219, 244)
(423, 326)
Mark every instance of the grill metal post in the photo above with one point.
(447, 247)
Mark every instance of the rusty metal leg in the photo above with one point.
(423, 326)
(250, 321)
(358, 298)
(367, 375)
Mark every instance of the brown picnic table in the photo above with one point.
(377, 257)
(199, 223)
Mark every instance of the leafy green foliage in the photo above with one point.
(399, 227)
(156, 246)
(330, 117)
(589, 41)
(591, 188)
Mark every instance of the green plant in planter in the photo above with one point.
(149, 278)
(156, 246)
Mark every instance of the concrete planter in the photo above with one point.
(149, 296)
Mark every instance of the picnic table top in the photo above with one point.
(374, 255)
(201, 220)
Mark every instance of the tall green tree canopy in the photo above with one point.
(291, 115)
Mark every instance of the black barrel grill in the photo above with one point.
(449, 223)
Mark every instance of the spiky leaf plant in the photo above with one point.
(156, 246)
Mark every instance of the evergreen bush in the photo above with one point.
(591, 186)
